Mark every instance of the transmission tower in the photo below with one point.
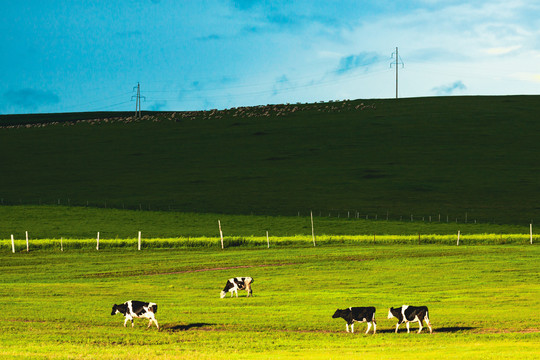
(396, 63)
(138, 100)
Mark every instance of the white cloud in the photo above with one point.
(526, 76)
(503, 50)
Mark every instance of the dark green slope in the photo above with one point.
(424, 156)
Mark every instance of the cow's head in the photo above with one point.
(114, 310)
(337, 314)
(390, 312)
(222, 294)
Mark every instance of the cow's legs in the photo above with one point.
(347, 326)
(407, 324)
(420, 327)
(128, 318)
(352, 327)
(429, 325)
(397, 326)
(374, 326)
(368, 327)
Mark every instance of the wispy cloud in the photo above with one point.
(364, 59)
(30, 99)
(158, 106)
(244, 4)
(449, 89)
(210, 37)
(281, 83)
(503, 50)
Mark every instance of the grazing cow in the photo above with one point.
(406, 314)
(357, 314)
(238, 283)
(136, 309)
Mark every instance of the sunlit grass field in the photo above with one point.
(482, 299)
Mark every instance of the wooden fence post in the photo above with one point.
(531, 233)
(61, 244)
(139, 242)
(97, 241)
(220, 233)
(267, 240)
(27, 245)
(312, 229)
(12, 244)
(458, 233)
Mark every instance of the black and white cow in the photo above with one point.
(407, 313)
(136, 309)
(238, 283)
(357, 314)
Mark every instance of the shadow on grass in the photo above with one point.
(183, 327)
(453, 329)
(425, 330)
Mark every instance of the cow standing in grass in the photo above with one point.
(238, 283)
(136, 309)
(407, 313)
(357, 314)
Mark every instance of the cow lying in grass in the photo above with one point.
(136, 309)
(407, 313)
(357, 314)
(237, 283)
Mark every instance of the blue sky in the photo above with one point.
(75, 55)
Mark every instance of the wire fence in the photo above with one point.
(458, 216)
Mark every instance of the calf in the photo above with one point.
(136, 309)
(406, 314)
(357, 314)
(238, 283)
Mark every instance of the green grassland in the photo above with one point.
(390, 183)
(455, 156)
(482, 300)
(122, 226)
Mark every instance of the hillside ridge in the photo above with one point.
(456, 157)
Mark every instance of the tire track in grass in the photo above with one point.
(135, 273)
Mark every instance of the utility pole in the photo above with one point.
(138, 100)
(398, 61)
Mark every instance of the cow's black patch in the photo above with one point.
(122, 308)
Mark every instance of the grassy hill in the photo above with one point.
(457, 157)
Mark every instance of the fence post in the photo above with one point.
(61, 244)
(267, 240)
(220, 233)
(12, 244)
(458, 233)
(27, 245)
(312, 229)
(139, 242)
(531, 233)
(97, 241)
